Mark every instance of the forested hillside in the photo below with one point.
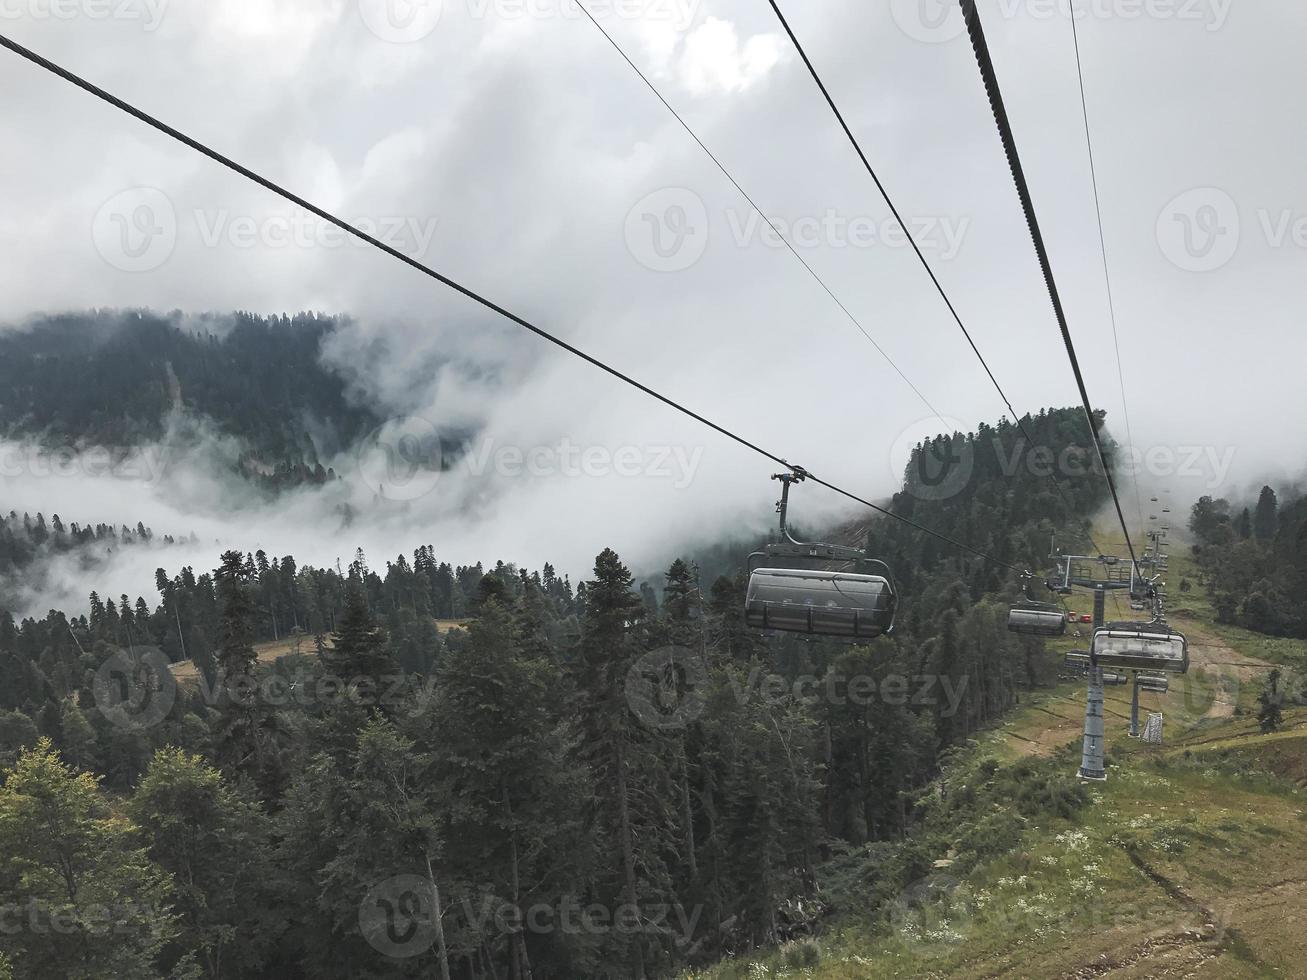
(1253, 560)
(28, 544)
(601, 780)
(111, 379)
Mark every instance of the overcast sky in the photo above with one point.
(506, 144)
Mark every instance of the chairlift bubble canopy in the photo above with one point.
(787, 597)
(1037, 619)
(1141, 646)
(820, 603)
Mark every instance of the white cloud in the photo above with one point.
(713, 60)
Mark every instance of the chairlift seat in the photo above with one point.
(820, 603)
(1154, 683)
(1037, 619)
(1141, 646)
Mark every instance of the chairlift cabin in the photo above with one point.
(815, 601)
(1037, 619)
(1032, 618)
(1141, 646)
(1154, 683)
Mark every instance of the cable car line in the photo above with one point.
(465, 291)
(990, 79)
(830, 101)
(1102, 241)
(743, 193)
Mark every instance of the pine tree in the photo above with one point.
(502, 754)
(1270, 714)
(236, 655)
(215, 845)
(625, 770)
(1266, 517)
(359, 648)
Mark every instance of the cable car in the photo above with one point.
(1031, 618)
(1141, 646)
(844, 605)
(1154, 683)
(1036, 619)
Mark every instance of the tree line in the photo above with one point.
(1253, 561)
(112, 378)
(616, 779)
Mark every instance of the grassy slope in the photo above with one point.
(1191, 862)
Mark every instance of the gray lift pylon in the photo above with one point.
(1134, 707)
(1091, 760)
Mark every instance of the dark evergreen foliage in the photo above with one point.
(508, 772)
